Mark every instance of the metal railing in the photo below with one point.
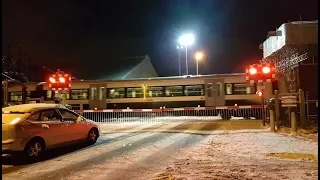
(172, 114)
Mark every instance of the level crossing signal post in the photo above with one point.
(60, 82)
(260, 73)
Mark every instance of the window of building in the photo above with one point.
(193, 90)
(79, 94)
(229, 89)
(93, 93)
(310, 61)
(102, 93)
(116, 93)
(174, 91)
(154, 91)
(244, 88)
(136, 92)
(315, 59)
(16, 96)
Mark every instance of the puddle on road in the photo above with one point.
(302, 156)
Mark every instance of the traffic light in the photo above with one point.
(59, 81)
(257, 73)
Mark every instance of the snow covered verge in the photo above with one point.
(245, 156)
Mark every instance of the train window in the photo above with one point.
(59, 95)
(209, 90)
(243, 89)
(15, 96)
(174, 91)
(136, 92)
(154, 91)
(102, 93)
(116, 93)
(228, 89)
(93, 93)
(49, 95)
(193, 90)
(79, 94)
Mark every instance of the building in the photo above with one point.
(133, 67)
(293, 48)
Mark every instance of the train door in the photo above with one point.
(214, 94)
(97, 97)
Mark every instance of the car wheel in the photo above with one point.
(34, 149)
(93, 136)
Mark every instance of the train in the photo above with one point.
(143, 93)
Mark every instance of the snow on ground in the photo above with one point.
(243, 156)
(189, 153)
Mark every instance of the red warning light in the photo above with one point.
(253, 71)
(266, 70)
(52, 80)
(59, 81)
(62, 79)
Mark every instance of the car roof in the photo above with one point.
(32, 107)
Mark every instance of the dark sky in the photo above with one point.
(86, 37)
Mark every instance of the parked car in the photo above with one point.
(33, 128)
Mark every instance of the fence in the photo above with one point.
(172, 114)
(312, 110)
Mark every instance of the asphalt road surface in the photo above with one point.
(160, 151)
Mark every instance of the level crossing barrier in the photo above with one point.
(173, 114)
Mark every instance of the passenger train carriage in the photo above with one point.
(179, 91)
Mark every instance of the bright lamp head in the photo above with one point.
(186, 39)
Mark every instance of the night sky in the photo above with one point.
(85, 37)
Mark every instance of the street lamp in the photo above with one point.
(198, 56)
(179, 48)
(186, 40)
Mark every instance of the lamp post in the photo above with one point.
(179, 48)
(186, 40)
(198, 57)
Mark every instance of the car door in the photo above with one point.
(47, 124)
(77, 128)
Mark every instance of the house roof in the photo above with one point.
(124, 66)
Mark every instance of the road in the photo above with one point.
(178, 151)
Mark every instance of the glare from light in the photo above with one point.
(186, 39)
(253, 71)
(199, 56)
(52, 80)
(15, 121)
(62, 79)
(259, 93)
(266, 70)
